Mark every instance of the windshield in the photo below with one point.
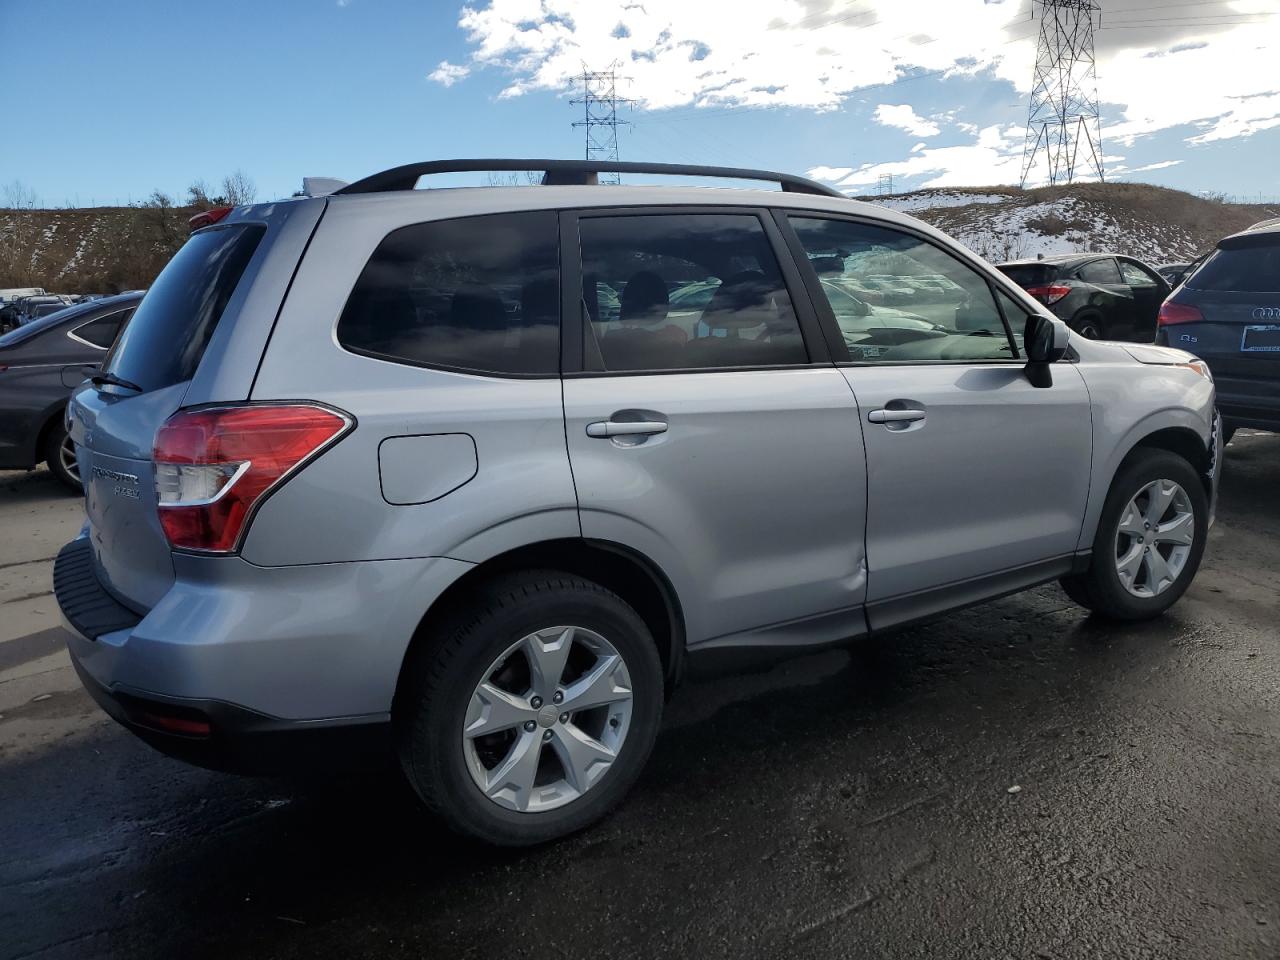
(173, 324)
(1248, 269)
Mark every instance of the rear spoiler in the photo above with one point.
(321, 186)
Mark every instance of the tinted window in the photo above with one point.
(102, 332)
(173, 324)
(693, 291)
(478, 293)
(1099, 271)
(1250, 269)
(897, 297)
(1028, 274)
(1136, 276)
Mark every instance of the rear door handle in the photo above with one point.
(625, 428)
(895, 416)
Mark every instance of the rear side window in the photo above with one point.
(1028, 275)
(167, 336)
(478, 294)
(1100, 271)
(684, 292)
(1250, 269)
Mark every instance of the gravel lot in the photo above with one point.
(857, 804)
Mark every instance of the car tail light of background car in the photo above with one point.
(1049, 294)
(214, 466)
(1171, 313)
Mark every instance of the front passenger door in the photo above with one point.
(976, 479)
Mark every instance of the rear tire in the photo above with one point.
(1151, 534)
(536, 773)
(60, 456)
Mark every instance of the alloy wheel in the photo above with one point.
(67, 457)
(1153, 541)
(547, 719)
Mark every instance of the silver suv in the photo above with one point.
(480, 472)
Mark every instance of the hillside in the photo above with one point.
(90, 249)
(1155, 224)
(106, 249)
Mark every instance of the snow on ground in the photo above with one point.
(1002, 227)
(935, 199)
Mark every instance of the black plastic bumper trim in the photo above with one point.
(85, 602)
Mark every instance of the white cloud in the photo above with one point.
(831, 174)
(1162, 165)
(905, 118)
(1210, 67)
(447, 74)
(994, 157)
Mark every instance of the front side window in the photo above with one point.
(897, 297)
(476, 294)
(1136, 276)
(685, 292)
(1100, 271)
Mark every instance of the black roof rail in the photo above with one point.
(568, 172)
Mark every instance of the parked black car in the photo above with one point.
(1227, 312)
(40, 364)
(1100, 295)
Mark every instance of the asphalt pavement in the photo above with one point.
(1014, 780)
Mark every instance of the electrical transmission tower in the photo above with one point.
(884, 185)
(600, 102)
(1062, 121)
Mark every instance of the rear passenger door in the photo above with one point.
(707, 427)
(1111, 298)
(976, 479)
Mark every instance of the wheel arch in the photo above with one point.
(619, 568)
(49, 421)
(1177, 431)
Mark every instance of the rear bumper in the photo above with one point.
(238, 740)
(262, 657)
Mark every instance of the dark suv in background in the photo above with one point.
(1228, 313)
(1101, 296)
(41, 362)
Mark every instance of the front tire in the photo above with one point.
(533, 711)
(1089, 328)
(1149, 542)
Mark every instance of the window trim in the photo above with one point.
(826, 315)
(558, 246)
(573, 330)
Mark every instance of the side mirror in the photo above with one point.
(1045, 341)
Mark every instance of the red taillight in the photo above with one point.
(1049, 294)
(183, 726)
(1171, 313)
(214, 466)
(206, 218)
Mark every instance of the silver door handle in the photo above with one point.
(625, 428)
(895, 416)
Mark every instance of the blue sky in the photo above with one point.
(107, 101)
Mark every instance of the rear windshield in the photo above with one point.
(174, 322)
(1251, 269)
(1028, 274)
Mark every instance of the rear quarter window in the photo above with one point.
(476, 294)
(163, 343)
